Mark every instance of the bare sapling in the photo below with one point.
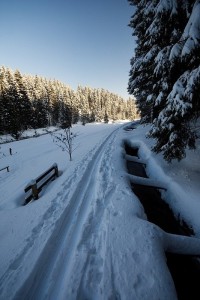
(65, 140)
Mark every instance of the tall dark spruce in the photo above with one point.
(165, 72)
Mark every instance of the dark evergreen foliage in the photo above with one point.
(164, 75)
(66, 116)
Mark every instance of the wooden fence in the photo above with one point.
(35, 186)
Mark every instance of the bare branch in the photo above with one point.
(65, 140)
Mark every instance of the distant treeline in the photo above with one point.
(34, 102)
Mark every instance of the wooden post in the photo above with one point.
(56, 169)
(34, 190)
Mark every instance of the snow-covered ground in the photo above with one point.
(87, 237)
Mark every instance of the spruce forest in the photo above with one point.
(165, 72)
(35, 102)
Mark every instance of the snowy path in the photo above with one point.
(75, 239)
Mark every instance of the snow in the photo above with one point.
(190, 37)
(191, 33)
(175, 51)
(167, 5)
(87, 237)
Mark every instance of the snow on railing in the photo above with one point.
(146, 181)
(135, 159)
(179, 244)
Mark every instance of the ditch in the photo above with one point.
(184, 269)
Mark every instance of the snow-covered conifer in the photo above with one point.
(164, 74)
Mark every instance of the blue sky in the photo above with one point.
(86, 42)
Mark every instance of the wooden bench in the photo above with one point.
(35, 186)
(5, 168)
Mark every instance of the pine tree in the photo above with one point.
(39, 104)
(174, 127)
(164, 74)
(21, 97)
(17, 105)
(141, 74)
(4, 105)
(65, 120)
(82, 94)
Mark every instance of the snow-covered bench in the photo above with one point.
(34, 187)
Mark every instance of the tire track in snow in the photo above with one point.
(53, 269)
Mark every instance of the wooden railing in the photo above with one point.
(35, 186)
(5, 168)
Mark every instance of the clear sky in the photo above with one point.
(86, 42)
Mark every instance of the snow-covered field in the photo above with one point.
(87, 237)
